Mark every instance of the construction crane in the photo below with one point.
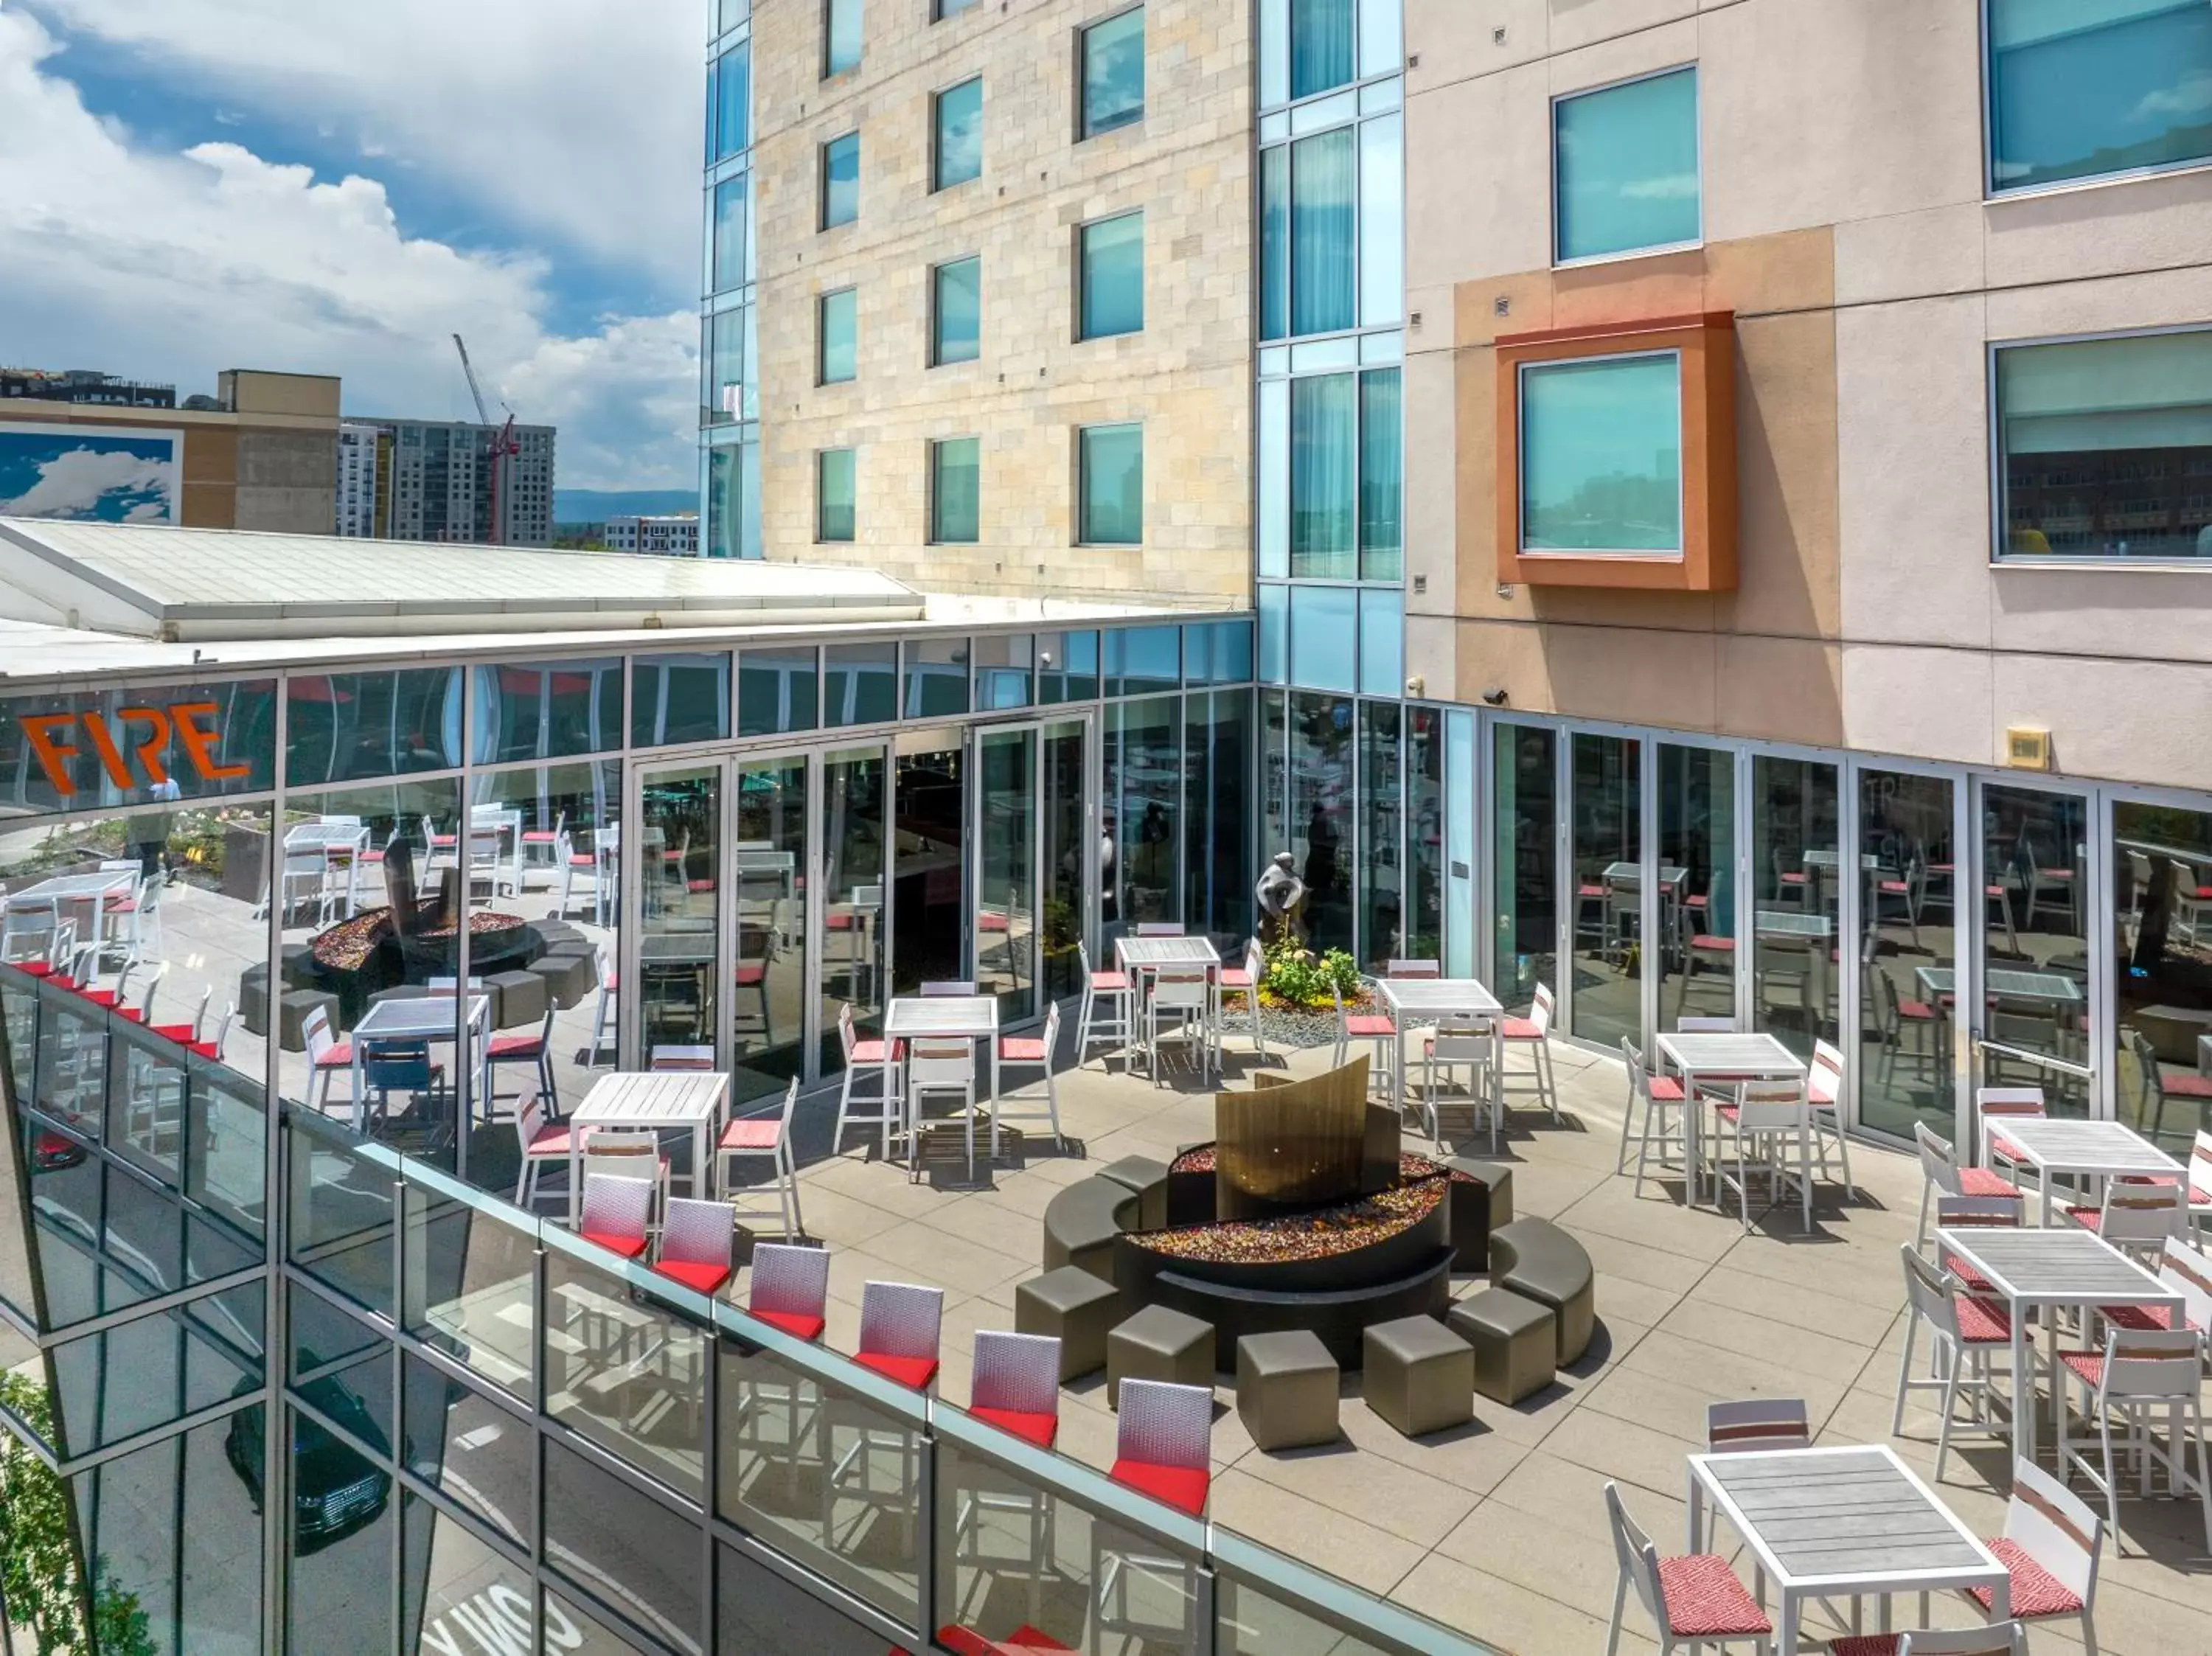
(503, 444)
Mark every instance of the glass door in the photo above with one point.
(1907, 960)
(1525, 845)
(2032, 940)
(679, 902)
(1695, 955)
(929, 936)
(768, 985)
(1005, 888)
(854, 867)
(1607, 945)
(1064, 775)
(1795, 854)
(2161, 920)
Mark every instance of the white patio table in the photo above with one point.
(938, 1017)
(1429, 1000)
(420, 1021)
(2066, 1268)
(690, 1099)
(1846, 1521)
(1722, 1058)
(2087, 1149)
(1144, 958)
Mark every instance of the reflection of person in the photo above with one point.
(1109, 909)
(1320, 852)
(150, 833)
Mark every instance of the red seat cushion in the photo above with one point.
(756, 1133)
(550, 1140)
(2187, 1086)
(1180, 1487)
(1107, 983)
(913, 1373)
(2000, 1145)
(2143, 1317)
(1969, 1278)
(2035, 1590)
(1236, 977)
(1986, 1181)
(516, 1046)
(2089, 1364)
(205, 1049)
(33, 968)
(798, 1324)
(1983, 1323)
(1867, 1644)
(990, 921)
(751, 973)
(2085, 1217)
(1665, 1090)
(1024, 1640)
(1520, 1029)
(702, 1275)
(1026, 1424)
(182, 1034)
(629, 1246)
(1022, 1049)
(1369, 1024)
(1712, 944)
(871, 1051)
(1705, 1601)
(339, 1056)
(1590, 891)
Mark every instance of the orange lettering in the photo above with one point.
(199, 744)
(111, 756)
(156, 742)
(39, 728)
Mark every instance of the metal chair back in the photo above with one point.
(1540, 1008)
(1639, 1558)
(697, 1233)
(1704, 1026)
(1929, 1293)
(616, 1206)
(789, 1281)
(1162, 1424)
(947, 988)
(901, 1319)
(1414, 970)
(1018, 1371)
(2187, 1270)
(2004, 1639)
(2057, 1528)
(1936, 1161)
(1161, 929)
(2142, 1216)
(1757, 1423)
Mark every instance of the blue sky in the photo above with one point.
(198, 185)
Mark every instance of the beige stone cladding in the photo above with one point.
(1187, 376)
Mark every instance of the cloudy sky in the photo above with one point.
(190, 185)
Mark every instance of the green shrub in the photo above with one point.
(38, 1563)
(1295, 978)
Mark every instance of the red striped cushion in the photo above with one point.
(1521, 1029)
(1022, 1049)
(1986, 1181)
(1107, 983)
(871, 1051)
(2035, 1590)
(1981, 1323)
(757, 1132)
(1705, 1601)
(1666, 1089)
(1368, 1024)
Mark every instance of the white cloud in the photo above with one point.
(580, 118)
(72, 484)
(181, 265)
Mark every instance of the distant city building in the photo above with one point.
(361, 448)
(86, 385)
(433, 482)
(674, 535)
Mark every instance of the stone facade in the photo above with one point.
(1187, 376)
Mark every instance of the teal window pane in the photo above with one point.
(2105, 446)
(1113, 486)
(952, 8)
(1381, 510)
(1323, 233)
(958, 154)
(1218, 653)
(834, 479)
(714, 97)
(733, 500)
(733, 101)
(957, 312)
(1275, 645)
(840, 180)
(1111, 263)
(1324, 460)
(1143, 660)
(953, 505)
(2093, 86)
(1066, 666)
(1601, 455)
(1324, 637)
(1381, 643)
(730, 266)
(1321, 46)
(1627, 160)
(778, 690)
(1274, 242)
(1114, 73)
(936, 677)
(840, 37)
(840, 336)
(721, 397)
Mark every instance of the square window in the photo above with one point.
(956, 311)
(837, 315)
(834, 479)
(840, 36)
(2096, 86)
(1308, 261)
(1113, 73)
(732, 268)
(1110, 277)
(1624, 168)
(944, 9)
(1601, 455)
(1110, 485)
(1321, 38)
(956, 150)
(731, 87)
(1324, 637)
(840, 180)
(953, 506)
(2104, 447)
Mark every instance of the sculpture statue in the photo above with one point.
(1281, 895)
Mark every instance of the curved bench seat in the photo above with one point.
(1082, 1222)
(1534, 1258)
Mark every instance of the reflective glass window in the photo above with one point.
(954, 506)
(1321, 750)
(531, 710)
(1143, 660)
(733, 528)
(1003, 667)
(725, 391)
(837, 331)
(1274, 603)
(2161, 861)
(944, 9)
(340, 1547)
(2105, 446)
(1324, 464)
(840, 180)
(2094, 87)
(346, 726)
(1382, 221)
(860, 684)
(1066, 666)
(777, 690)
(1110, 277)
(679, 698)
(1381, 508)
(1321, 46)
(1318, 248)
(1111, 468)
(1274, 242)
(470, 1291)
(1217, 756)
(1113, 55)
(733, 99)
(1625, 160)
(936, 677)
(835, 482)
(1381, 643)
(1601, 455)
(840, 36)
(1324, 637)
(146, 744)
(956, 311)
(732, 268)
(957, 148)
(463, 1593)
(468, 1446)
(1218, 653)
(623, 1546)
(1140, 862)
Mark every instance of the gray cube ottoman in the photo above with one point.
(518, 999)
(1158, 1344)
(292, 1010)
(1286, 1389)
(1515, 1340)
(569, 976)
(1147, 1179)
(1076, 1309)
(1538, 1261)
(1420, 1376)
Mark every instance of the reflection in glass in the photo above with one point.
(769, 1000)
(1110, 277)
(1382, 916)
(625, 1549)
(931, 806)
(456, 1593)
(1627, 166)
(342, 727)
(1697, 882)
(840, 180)
(1601, 455)
(1061, 805)
(2035, 948)
(340, 1229)
(1217, 833)
(958, 151)
(778, 690)
(1324, 466)
(471, 1449)
(732, 264)
(1111, 485)
(936, 677)
(837, 342)
(1793, 865)
(1006, 872)
(1321, 46)
(1218, 653)
(835, 487)
(1381, 490)
(547, 710)
(1066, 667)
(1019, 1556)
(340, 1599)
(1524, 837)
(860, 684)
(2163, 919)
(853, 877)
(679, 698)
(134, 1376)
(761, 1609)
(954, 500)
(1607, 870)
(624, 1373)
(1143, 802)
(1143, 660)
(1002, 671)
(1909, 958)
(1323, 220)
(680, 851)
(1321, 754)
(1325, 638)
(956, 316)
(1114, 73)
(469, 1287)
(2079, 91)
(1425, 835)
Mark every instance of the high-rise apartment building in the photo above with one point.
(361, 451)
(435, 482)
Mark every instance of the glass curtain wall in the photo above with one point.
(1794, 861)
(1524, 866)
(1006, 870)
(1143, 839)
(1907, 959)
(769, 986)
(853, 877)
(678, 858)
(1322, 751)
(2161, 923)
(1218, 758)
(2034, 943)
(1696, 953)
(1382, 917)
(1609, 955)
(929, 939)
(1425, 805)
(1063, 805)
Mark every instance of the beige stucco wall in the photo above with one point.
(1846, 226)
(1187, 376)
